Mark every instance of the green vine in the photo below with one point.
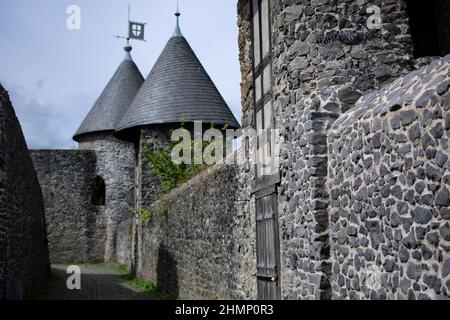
(160, 161)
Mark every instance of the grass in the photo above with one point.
(146, 286)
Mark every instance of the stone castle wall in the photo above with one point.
(389, 179)
(116, 165)
(24, 258)
(324, 58)
(200, 244)
(76, 228)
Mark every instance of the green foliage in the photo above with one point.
(146, 286)
(124, 270)
(143, 214)
(171, 174)
(161, 163)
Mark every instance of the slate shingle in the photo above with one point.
(178, 89)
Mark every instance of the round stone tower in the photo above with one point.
(114, 183)
(177, 90)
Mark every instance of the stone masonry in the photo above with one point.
(389, 180)
(199, 244)
(324, 59)
(363, 198)
(76, 227)
(116, 165)
(24, 258)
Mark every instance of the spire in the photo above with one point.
(115, 99)
(178, 89)
(177, 32)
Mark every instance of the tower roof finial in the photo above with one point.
(128, 49)
(177, 32)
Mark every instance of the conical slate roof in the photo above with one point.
(114, 100)
(178, 89)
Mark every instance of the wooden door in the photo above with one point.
(267, 244)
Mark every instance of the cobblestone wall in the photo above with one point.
(76, 228)
(389, 179)
(200, 242)
(23, 241)
(324, 58)
(116, 165)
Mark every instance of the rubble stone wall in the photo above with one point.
(76, 228)
(24, 260)
(389, 180)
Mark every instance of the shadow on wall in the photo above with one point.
(167, 272)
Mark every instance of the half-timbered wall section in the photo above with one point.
(267, 175)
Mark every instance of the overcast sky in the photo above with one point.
(54, 75)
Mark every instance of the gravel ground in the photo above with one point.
(98, 282)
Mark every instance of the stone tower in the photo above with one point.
(114, 183)
(177, 90)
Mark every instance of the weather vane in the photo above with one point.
(136, 30)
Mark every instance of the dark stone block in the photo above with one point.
(410, 241)
(433, 238)
(376, 140)
(408, 117)
(427, 141)
(437, 131)
(414, 271)
(445, 213)
(390, 265)
(420, 233)
(443, 87)
(352, 231)
(433, 173)
(445, 232)
(416, 255)
(421, 215)
(427, 97)
(426, 252)
(446, 268)
(441, 158)
(395, 122)
(403, 254)
(405, 284)
(433, 283)
(443, 197)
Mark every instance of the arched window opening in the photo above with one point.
(430, 27)
(98, 192)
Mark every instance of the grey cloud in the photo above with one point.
(45, 126)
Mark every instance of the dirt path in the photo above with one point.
(98, 282)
